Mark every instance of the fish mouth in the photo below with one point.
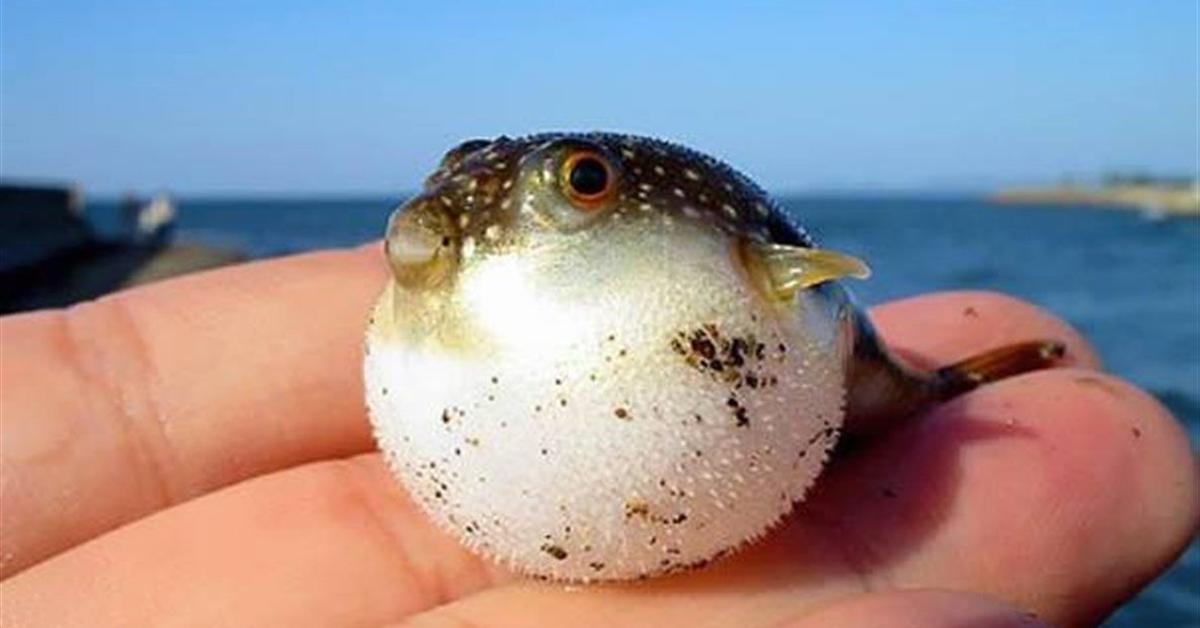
(421, 245)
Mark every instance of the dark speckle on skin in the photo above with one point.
(739, 411)
(555, 551)
(826, 435)
(636, 508)
(621, 413)
(703, 346)
(740, 415)
(735, 359)
(450, 414)
(970, 312)
(1137, 432)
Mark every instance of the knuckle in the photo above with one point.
(107, 348)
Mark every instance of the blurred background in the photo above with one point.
(1048, 150)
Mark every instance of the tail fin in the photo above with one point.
(883, 390)
(989, 366)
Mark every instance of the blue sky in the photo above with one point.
(305, 97)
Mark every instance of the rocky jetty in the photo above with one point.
(50, 255)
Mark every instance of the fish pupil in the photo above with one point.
(588, 177)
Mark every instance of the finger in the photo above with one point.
(333, 543)
(1063, 491)
(918, 609)
(116, 408)
(938, 329)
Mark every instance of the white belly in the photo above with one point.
(635, 411)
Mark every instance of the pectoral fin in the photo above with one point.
(786, 270)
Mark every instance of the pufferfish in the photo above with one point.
(607, 357)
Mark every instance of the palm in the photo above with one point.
(1060, 492)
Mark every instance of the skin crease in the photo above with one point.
(1058, 493)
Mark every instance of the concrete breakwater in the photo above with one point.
(1168, 200)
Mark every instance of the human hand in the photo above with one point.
(196, 453)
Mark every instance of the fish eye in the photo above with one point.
(587, 178)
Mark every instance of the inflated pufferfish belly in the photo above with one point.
(613, 426)
(605, 358)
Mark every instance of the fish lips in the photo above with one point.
(422, 245)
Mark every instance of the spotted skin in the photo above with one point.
(477, 186)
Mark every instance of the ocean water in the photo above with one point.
(1132, 285)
